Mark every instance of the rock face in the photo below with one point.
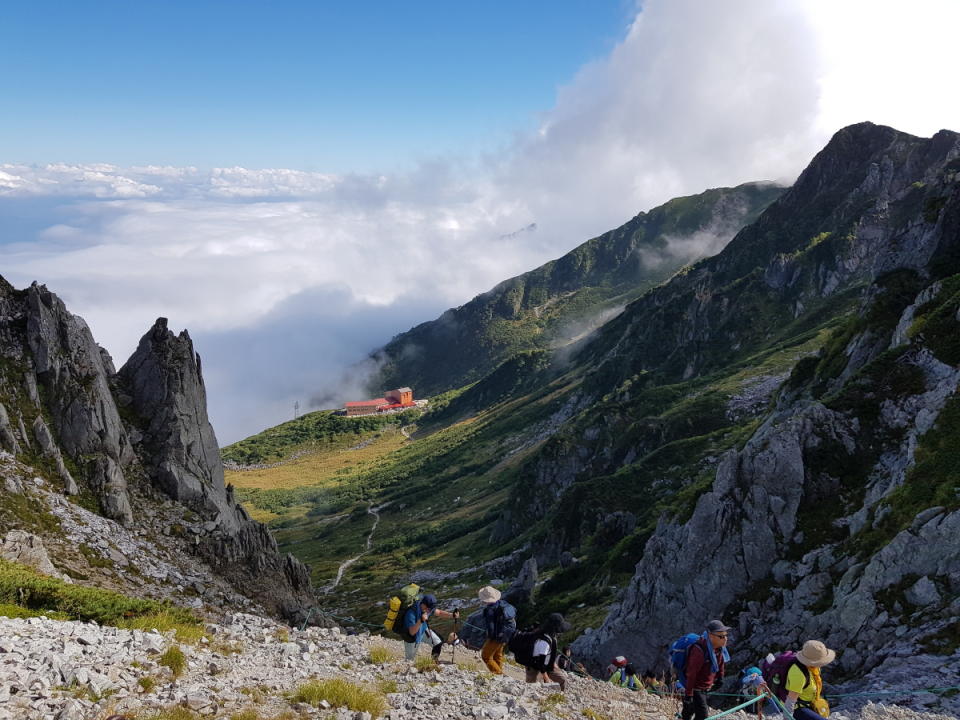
(69, 365)
(801, 533)
(57, 382)
(162, 384)
(165, 384)
(22, 547)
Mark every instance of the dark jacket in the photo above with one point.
(493, 619)
(699, 673)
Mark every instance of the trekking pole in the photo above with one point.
(456, 636)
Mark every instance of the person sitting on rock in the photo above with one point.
(805, 686)
(626, 677)
(617, 663)
(542, 667)
(416, 628)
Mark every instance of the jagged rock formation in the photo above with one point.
(101, 433)
(809, 529)
(164, 386)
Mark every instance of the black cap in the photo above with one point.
(715, 626)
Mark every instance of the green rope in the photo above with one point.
(757, 699)
(783, 708)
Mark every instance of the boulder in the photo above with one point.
(22, 547)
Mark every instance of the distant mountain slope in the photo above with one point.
(768, 437)
(567, 297)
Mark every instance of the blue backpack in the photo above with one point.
(678, 652)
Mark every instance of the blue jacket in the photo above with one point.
(409, 620)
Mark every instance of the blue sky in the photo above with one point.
(331, 86)
(302, 153)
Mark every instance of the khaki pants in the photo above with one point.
(492, 656)
(555, 675)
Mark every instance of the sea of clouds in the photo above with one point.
(287, 279)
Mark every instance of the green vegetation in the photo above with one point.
(174, 712)
(28, 589)
(561, 300)
(186, 628)
(934, 480)
(342, 693)
(174, 660)
(382, 654)
(317, 430)
(147, 683)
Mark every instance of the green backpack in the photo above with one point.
(406, 597)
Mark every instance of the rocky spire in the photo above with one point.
(162, 384)
(69, 366)
(165, 385)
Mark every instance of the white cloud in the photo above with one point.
(285, 277)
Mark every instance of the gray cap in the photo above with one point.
(715, 626)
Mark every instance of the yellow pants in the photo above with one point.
(492, 655)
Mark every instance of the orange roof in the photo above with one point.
(366, 403)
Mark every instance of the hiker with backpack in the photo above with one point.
(500, 624)
(626, 677)
(537, 650)
(416, 629)
(795, 679)
(700, 663)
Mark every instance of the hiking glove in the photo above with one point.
(717, 684)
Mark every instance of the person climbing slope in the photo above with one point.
(705, 668)
(416, 629)
(804, 684)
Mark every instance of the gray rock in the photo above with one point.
(26, 549)
(520, 591)
(70, 364)
(8, 440)
(50, 449)
(923, 593)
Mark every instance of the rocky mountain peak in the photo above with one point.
(65, 410)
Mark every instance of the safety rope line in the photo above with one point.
(783, 708)
(757, 699)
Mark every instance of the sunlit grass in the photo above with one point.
(341, 693)
(381, 654)
(326, 467)
(163, 621)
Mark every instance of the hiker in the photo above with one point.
(626, 677)
(704, 669)
(499, 623)
(650, 681)
(616, 664)
(751, 682)
(416, 628)
(537, 651)
(565, 662)
(804, 684)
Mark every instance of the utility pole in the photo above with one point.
(296, 409)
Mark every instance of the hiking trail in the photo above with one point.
(368, 545)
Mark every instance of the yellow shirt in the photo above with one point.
(796, 680)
